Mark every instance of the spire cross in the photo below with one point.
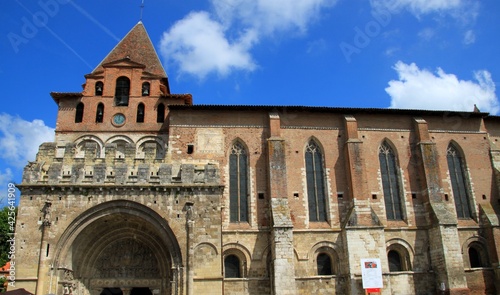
(142, 8)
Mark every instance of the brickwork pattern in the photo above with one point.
(164, 186)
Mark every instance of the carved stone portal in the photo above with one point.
(127, 259)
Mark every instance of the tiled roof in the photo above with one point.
(65, 94)
(137, 47)
(6, 267)
(344, 110)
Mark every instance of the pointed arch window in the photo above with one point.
(145, 89)
(99, 87)
(79, 112)
(160, 113)
(99, 113)
(122, 91)
(238, 183)
(315, 182)
(456, 168)
(140, 113)
(390, 182)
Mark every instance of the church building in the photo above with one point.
(145, 192)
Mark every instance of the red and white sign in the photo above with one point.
(371, 274)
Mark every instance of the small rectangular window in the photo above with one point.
(79, 113)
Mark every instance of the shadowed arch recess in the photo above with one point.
(120, 240)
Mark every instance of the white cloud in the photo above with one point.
(317, 46)
(426, 34)
(422, 6)
(464, 10)
(5, 178)
(202, 43)
(391, 51)
(200, 46)
(20, 139)
(469, 37)
(270, 16)
(422, 89)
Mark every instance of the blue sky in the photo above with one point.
(421, 54)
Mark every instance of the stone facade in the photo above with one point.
(253, 199)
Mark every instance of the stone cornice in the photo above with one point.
(25, 188)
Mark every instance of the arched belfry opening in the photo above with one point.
(119, 248)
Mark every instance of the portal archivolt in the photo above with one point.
(119, 245)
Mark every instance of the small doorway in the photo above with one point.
(111, 291)
(140, 291)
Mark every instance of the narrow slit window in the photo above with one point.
(99, 113)
(140, 113)
(79, 113)
(160, 113)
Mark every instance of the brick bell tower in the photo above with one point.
(127, 92)
(106, 192)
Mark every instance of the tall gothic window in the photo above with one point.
(238, 183)
(458, 182)
(390, 182)
(122, 91)
(160, 113)
(140, 113)
(99, 113)
(79, 113)
(315, 182)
